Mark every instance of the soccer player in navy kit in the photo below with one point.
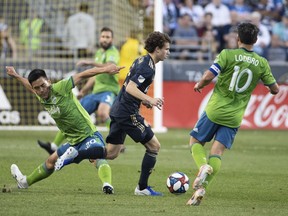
(124, 114)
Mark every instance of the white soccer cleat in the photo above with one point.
(107, 188)
(146, 192)
(201, 176)
(69, 155)
(197, 197)
(19, 177)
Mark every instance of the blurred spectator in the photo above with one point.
(279, 43)
(30, 30)
(8, 47)
(208, 36)
(80, 32)
(130, 50)
(170, 16)
(221, 20)
(271, 11)
(240, 10)
(231, 40)
(196, 12)
(185, 36)
(264, 37)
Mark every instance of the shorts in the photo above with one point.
(133, 125)
(205, 130)
(91, 102)
(95, 140)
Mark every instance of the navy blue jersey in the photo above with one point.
(141, 72)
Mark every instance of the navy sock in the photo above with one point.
(95, 152)
(148, 163)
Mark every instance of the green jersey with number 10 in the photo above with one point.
(239, 72)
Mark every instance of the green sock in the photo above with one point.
(41, 172)
(107, 123)
(199, 154)
(104, 171)
(59, 138)
(215, 163)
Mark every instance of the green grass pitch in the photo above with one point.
(252, 180)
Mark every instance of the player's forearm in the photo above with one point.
(24, 82)
(87, 74)
(206, 79)
(132, 89)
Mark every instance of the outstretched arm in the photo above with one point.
(147, 101)
(11, 72)
(207, 77)
(110, 69)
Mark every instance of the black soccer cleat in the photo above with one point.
(46, 146)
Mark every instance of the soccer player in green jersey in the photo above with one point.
(238, 71)
(104, 89)
(70, 117)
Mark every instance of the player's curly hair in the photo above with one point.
(36, 74)
(247, 33)
(156, 39)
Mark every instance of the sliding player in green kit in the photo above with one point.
(70, 117)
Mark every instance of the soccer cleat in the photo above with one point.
(19, 177)
(69, 155)
(201, 176)
(107, 188)
(46, 146)
(197, 197)
(147, 192)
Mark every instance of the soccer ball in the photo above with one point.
(177, 183)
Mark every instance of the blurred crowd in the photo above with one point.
(199, 29)
(199, 26)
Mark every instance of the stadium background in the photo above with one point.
(182, 107)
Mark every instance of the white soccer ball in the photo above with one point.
(177, 183)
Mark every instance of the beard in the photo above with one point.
(105, 46)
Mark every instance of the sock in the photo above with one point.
(148, 163)
(104, 171)
(215, 163)
(95, 152)
(199, 154)
(54, 146)
(107, 123)
(59, 138)
(41, 172)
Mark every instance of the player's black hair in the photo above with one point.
(247, 33)
(36, 74)
(156, 39)
(107, 29)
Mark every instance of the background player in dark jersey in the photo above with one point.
(125, 117)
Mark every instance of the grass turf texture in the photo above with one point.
(252, 180)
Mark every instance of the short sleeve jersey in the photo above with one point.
(106, 82)
(70, 117)
(239, 71)
(142, 73)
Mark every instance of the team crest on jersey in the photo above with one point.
(54, 100)
(140, 59)
(141, 79)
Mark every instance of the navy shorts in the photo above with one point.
(205, 130)
(95, 140)
(91, 102)
(133, 125)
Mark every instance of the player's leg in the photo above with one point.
(105, 175)
(148, 163)
(223, 140)
(41, 172)
(139, 130)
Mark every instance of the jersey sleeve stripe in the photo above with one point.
(215, 69)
